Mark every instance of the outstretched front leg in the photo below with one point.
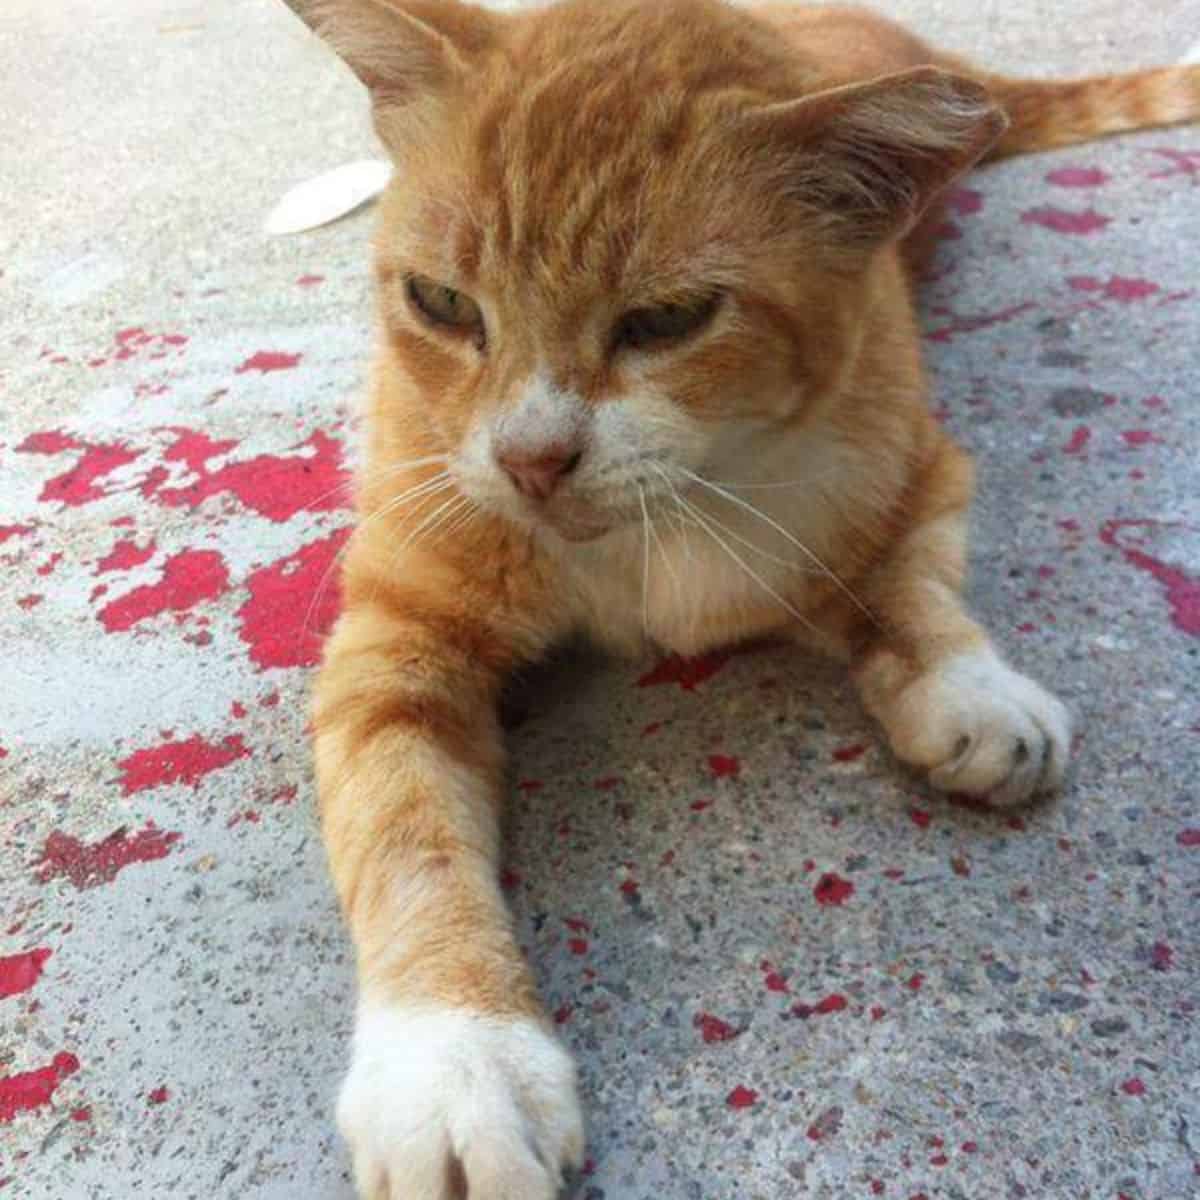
(457, 1084)
(949, 703)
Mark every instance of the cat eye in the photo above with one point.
(442, 305)
(663, 324)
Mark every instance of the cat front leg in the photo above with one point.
(457, 1084)
(948, 702)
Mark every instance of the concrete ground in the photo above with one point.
(786, 968)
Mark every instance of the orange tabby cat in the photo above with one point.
(640, 257)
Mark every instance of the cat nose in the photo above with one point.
(537, 473)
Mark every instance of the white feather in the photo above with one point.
(329, 196)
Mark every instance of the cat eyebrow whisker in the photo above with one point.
(813, 558)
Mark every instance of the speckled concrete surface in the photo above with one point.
(785, 967)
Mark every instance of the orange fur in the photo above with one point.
(582, 177)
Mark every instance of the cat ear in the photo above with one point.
(402, 50)
(869, 158)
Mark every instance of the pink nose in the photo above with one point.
(537, 474)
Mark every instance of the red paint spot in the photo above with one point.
(938, 1160)
(1188, 837)
(1133, 1087)
(833, 889)
(30, 602)
(700, 805)
(960, 866)
(742, 1097)
(629, 887)
(689, 673)
(178, 762)
(89, 865)
(188, 578)
(652, 728)
(713, 1029)
(237, 709)
(31, 1090)
(80, 1115)
(830, 1004)
(293, 604)
(849, 753)
(530, 785)
(1119, 287)
(310, 280)
(79, 485)
(563, 1014)
(578, 945)
(1140, 437)
(19, 972)
(1079, 439)
(275, 486)
(878, 1012)
(510, 880)
(607, 783)
(10, 531)
(724, 766)
(969, 1147)
(915, 982)
(1078, 177)
(877, 1187)
(576, 924)
(1184, 162)
(919, 817)
(1183, 592)
(964, 201)
(160, 1095)
(774, 982)
(1059, 220)
(958, 325)
(124, 556)
(265, 361)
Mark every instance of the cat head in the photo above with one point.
(626, 239)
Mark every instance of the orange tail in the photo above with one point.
(1048, 114)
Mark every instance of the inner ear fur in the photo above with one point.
(869, 158)
(404, 51)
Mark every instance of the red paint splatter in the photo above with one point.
(129, 342)
(81, 1115)
(31, 1090)
(1119, 287)
(607, 783)
(275, 486)
(969, 1147)
(578, 945)
(835, 1002)
(878, 1012)
(826, 1125)
(178, 762)
(1078, 177)
(1059, 220)
(915, 982)
(689, 673)
(124, 556)
(849, 753)
(19, 972)
(293, 604)
(958, 324)
(1140, 437)
(724, 766)
(773, 981)
(920, 818)
(1133, 1087)
(310, 280)
(100, 862)
(833, 889)
(1184, 162)
(742, 1097)
(713, 1029)
(964, 201)
(10, 531)
(877, 1187)
(1183, 592)
(1188, 837)
(31, 601)
(265, 361)
(938, 1160)
(79, 485)
(188, 578)
(1079, 440)
(159, 1095)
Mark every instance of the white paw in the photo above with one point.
(442, 1104)
(981, 728)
